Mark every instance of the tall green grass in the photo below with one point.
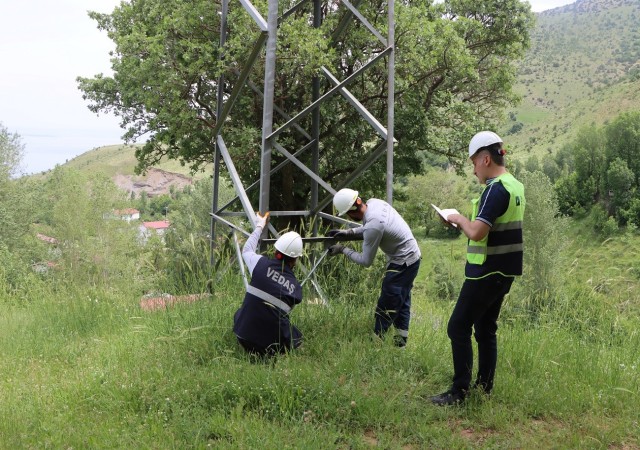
(85, 367)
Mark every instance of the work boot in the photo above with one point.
(399, 341)
(448, 398)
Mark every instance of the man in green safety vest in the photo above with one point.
(494, 259)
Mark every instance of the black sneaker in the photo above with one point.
(448, 398)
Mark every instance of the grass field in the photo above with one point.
(85, 367)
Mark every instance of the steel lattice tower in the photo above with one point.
(268, 36)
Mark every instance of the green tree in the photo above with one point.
(455, 68)
(143, 203)
(95, 245)
(564, 158)
(532, 164)
(568, 193)
(11, 152)
(623, 142)
(15, 195)
(583, 162)
(589, 160)
(187, 260)
(602, 166)
(551, 169)
(620, 188)
(158, 207)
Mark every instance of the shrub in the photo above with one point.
(544, 240)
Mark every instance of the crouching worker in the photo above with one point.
(262, 323)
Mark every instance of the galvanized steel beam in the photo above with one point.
(239, 84)
(255, 15)
(304, 168)
(350, 79)
(366, 115)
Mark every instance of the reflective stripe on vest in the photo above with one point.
(477, 251)
(262, 295)
(495, 250)
(507, 226)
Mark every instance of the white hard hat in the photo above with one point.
(290, 244)
(344, 200)
(482, 139)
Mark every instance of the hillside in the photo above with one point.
(583, 68)
(119, 161)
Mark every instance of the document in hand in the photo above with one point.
(444, 213)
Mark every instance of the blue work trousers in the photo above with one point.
(394, 304)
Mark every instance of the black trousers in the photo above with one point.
(478, 308)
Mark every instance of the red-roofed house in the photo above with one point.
(128, 214)
(159, 227)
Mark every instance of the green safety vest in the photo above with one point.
(477, 251)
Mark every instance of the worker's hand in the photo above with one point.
(453, 220)
(340, 233)
(261, 221)
(445, 222)
(336, 249)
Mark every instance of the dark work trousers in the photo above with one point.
(478, 306)
(272, 349)
(394, 304)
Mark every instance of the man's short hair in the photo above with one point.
(496, 153)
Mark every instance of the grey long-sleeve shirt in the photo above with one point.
(383, 227)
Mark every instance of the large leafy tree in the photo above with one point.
(619, 182)
(585, 161)
(455, 66)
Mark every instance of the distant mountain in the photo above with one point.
(583, 68)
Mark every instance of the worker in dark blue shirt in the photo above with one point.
(494, 259)
(262, 323)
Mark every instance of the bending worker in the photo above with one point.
(494, 259)
(262, 323)
(382, 227)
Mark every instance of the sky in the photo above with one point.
(44, 46)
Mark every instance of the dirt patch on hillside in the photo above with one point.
(155, 182)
